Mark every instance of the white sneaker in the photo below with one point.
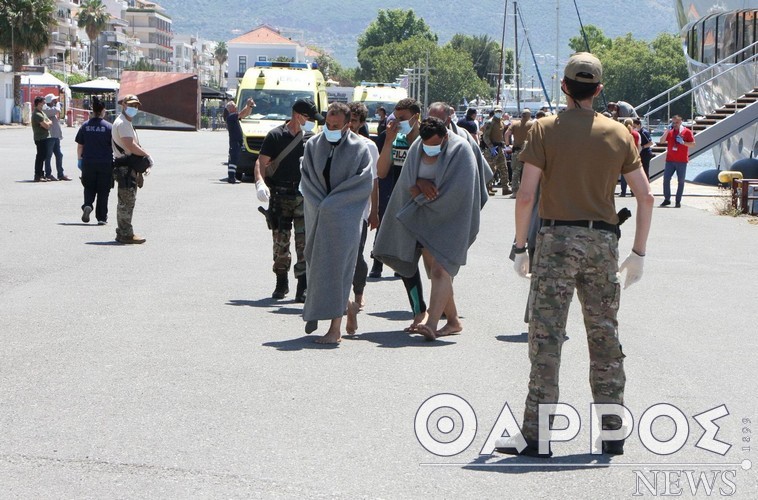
(85, 213)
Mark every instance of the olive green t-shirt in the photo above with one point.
(40, 133)
(581, 154)
(520, 129)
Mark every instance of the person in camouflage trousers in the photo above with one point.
(288, 212)
(492, 136)
(277, 181)
(575, 161)
(566, 256)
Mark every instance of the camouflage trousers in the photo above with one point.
(569, 258)
(288, 211)
(498, 165)
(127, 197)
(518, 167)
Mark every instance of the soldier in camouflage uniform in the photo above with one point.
(492, 135)
(125, 142)
(518, 131)
(277, 180)
(575, 161)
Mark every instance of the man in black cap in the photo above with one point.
(277, 180)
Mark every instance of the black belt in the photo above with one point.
(285, 191)
(591, 224)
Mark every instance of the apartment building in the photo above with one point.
(149, 23)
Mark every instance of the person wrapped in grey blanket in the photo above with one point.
(434, 213)
(336, 184)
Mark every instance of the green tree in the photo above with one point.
(597, 40)
(221, 54)
(484, 53)
(453, 77)
(93, 17)
(625, 70)
(392, 26)
(386, 62)
(635, 71)
(25, 27)
(141, 65)
(333, 70)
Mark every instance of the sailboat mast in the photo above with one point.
(556, 80)
(500, 75)
(515, 58)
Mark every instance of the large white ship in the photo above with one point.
(712, 30)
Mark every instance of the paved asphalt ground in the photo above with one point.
(165, 371)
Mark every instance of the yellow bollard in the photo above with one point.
(727, 176)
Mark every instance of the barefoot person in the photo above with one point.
(434, 213)
(336, 182)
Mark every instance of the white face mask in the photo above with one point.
(131, 112)
(405, 127)
(309, 125)
(432, 150)
(332, 135)
(498, 115)
(377, 117)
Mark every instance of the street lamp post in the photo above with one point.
(16, 112)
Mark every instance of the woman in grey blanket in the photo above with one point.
(434, 213)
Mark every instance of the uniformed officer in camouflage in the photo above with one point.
(277, 181)
(517, 132)
(492, 135)
(576, 158)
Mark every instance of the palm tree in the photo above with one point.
(221, 54)
(25, 27)
(93, 17)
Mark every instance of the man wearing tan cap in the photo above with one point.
(126, 143)
(517, 132)
(576, 158)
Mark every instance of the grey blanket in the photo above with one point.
(446, 226)
(333, 221)
(483, 169)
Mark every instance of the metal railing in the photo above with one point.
(710, 68)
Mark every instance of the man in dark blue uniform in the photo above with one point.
(235, 134)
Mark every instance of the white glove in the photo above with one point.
(263, 193)
(521, 264)
(633, 265)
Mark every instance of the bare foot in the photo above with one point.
(329, 338)
(417, 320)
(426, 331)
(449, 329)
(311, 326)
(351, 326)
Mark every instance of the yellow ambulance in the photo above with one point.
(374, 95)
(274, 86)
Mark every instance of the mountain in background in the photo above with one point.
(335, 25)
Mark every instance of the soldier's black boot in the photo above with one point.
(612, 447)
(302, 285)
(282, 286)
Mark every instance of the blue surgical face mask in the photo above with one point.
(332, 135)
(308, 126)
(498, 115)
(405, 127)
(432, 150)
(131, 112)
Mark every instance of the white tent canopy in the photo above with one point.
(45, 80)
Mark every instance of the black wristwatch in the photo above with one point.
(517, 250)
